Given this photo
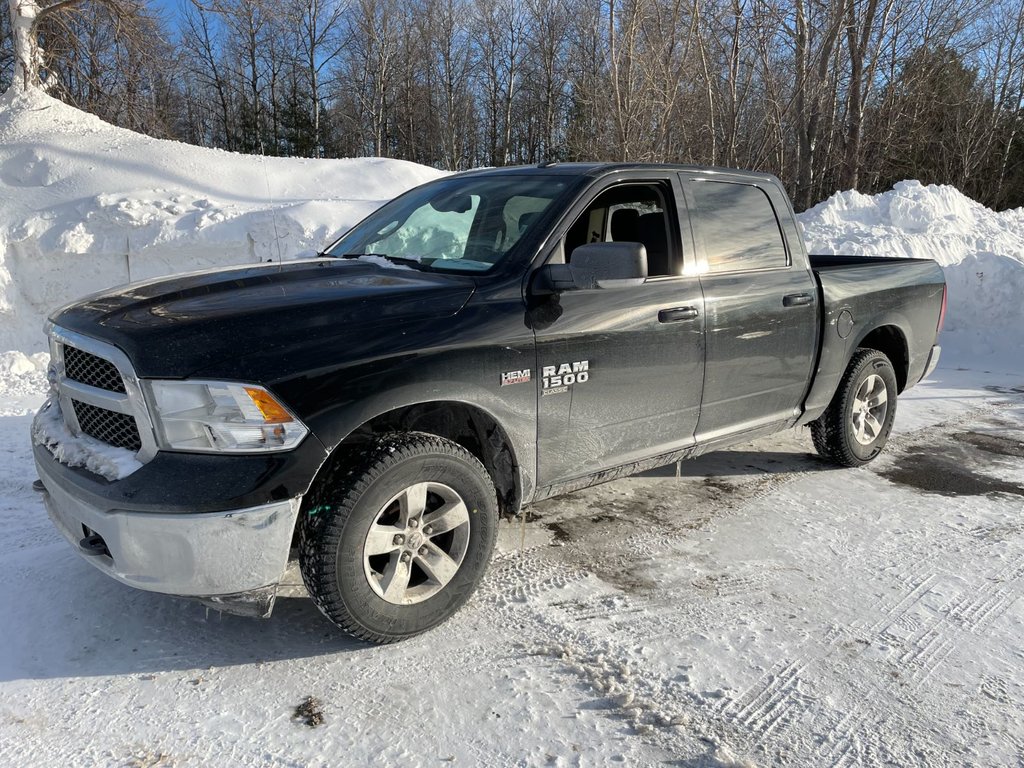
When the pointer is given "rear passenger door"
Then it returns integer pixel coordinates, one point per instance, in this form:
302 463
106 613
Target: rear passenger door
761 307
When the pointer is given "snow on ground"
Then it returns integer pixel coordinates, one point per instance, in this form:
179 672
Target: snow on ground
752 607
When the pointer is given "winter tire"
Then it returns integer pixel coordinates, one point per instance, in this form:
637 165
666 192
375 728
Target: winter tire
394 543
855 427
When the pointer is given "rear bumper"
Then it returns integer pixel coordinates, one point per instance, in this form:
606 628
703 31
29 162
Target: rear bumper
238 555
933 360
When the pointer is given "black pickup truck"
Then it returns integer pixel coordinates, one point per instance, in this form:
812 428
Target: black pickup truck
482 342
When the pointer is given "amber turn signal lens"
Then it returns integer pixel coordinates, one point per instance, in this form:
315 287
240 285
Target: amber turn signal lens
273 412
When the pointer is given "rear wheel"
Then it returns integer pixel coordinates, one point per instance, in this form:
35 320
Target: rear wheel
393 544
856 425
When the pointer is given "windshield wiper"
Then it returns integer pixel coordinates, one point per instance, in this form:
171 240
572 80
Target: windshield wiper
415 263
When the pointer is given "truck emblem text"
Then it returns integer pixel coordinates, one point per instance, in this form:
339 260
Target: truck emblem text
558 378
515 377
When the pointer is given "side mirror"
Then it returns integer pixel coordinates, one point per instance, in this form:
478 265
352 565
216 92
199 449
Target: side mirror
596 265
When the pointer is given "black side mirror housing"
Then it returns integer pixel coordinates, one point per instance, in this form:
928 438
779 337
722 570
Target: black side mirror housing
596 265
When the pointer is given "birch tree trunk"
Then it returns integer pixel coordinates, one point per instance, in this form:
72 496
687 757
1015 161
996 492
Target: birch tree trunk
28 56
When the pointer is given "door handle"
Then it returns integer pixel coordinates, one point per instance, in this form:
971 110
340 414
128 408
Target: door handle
797 300
677 314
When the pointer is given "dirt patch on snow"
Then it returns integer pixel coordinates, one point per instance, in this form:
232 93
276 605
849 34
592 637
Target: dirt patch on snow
924 469
310 712
997 444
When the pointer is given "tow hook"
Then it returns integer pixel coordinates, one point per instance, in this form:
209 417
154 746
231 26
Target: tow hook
94 545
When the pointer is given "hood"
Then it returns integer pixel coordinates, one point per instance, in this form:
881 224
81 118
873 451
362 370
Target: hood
174 327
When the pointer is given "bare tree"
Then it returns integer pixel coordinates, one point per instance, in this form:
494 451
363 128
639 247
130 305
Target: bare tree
1004 57
546 81
824 93
367 76
28 17
28 54
6 51
202 50
247 25
500 36
319 43
815 31
867 26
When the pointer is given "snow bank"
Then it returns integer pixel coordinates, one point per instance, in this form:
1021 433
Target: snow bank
22 382
87 205
981 252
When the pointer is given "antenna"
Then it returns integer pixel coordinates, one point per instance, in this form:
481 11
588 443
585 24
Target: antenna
273 205
128 256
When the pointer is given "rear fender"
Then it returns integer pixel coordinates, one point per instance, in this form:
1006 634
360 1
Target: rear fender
886 332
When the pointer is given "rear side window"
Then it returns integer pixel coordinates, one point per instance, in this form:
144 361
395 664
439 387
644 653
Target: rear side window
737 225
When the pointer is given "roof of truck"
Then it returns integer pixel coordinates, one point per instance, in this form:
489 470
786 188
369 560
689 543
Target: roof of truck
600 169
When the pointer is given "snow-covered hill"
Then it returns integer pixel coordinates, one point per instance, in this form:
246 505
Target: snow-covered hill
85 205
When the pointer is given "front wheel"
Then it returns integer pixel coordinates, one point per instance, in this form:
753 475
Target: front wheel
856 425
393 544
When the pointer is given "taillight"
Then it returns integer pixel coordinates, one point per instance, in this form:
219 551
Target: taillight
942 311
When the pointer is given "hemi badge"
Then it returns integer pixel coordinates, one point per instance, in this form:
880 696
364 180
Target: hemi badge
515 377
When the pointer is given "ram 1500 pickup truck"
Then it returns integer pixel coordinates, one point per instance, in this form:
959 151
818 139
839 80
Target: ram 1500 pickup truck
484 341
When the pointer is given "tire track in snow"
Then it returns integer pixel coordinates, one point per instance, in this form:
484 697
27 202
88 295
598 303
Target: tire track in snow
979 610
654 705
971 612
841 744
730 585
927 651
921 585
928 648
776 701
772 703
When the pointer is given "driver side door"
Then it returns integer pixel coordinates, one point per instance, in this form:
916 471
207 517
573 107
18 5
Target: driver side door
621 371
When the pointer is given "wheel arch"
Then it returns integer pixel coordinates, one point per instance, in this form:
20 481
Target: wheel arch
891 342
474 428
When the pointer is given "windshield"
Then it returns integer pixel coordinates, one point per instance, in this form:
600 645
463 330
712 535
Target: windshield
461 224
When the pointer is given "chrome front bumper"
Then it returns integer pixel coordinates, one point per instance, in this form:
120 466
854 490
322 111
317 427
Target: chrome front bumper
225 557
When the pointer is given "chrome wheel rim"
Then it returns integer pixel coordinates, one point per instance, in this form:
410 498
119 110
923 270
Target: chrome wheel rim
416 543
870 405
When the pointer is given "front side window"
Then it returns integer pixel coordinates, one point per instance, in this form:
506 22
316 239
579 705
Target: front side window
737 225
466 224
631 212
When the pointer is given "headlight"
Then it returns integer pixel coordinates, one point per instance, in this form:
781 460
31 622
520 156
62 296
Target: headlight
218 416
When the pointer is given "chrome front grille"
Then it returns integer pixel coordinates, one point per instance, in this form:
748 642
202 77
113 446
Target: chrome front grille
99 393
87 368
110 427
